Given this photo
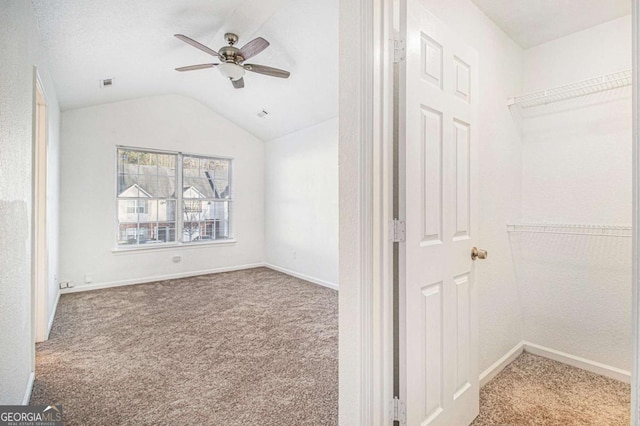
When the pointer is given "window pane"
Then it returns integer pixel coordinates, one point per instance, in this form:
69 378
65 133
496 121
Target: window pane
128 173
190 166
127 234
165 233
166 176
128 211
167 210
205 220
206 178
146 174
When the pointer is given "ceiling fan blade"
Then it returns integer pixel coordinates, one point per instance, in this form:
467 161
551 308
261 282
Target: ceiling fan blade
196 67
238 84
254 47
261 69
197 45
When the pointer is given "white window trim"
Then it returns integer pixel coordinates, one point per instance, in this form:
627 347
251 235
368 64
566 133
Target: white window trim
172 246
121 249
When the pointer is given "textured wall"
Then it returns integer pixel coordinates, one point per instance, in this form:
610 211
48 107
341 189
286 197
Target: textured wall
499 174
88 180
21 51
577 169
301 202
576 294
577 154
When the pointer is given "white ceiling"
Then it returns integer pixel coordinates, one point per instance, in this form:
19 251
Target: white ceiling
533 22
133 42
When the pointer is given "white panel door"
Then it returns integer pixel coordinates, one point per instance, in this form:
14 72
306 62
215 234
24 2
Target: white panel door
439 350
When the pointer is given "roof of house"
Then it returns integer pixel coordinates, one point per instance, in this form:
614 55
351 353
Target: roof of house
159 182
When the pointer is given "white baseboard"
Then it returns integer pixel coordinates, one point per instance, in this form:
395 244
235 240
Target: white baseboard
97 286
302 276
576 361
27 393
565 358
53 315
500 364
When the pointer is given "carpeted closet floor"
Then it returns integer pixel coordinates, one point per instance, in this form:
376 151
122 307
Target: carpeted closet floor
538 391
253 347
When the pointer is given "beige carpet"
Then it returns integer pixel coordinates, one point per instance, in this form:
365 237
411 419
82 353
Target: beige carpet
253 347
537 391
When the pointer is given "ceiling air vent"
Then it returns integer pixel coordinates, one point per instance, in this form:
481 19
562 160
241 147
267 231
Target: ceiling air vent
107 82
263 113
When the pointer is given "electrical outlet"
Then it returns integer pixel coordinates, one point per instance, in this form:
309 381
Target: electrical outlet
294 255
88 278
64 284
177 259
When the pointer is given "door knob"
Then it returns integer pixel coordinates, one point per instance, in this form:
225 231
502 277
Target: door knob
477 253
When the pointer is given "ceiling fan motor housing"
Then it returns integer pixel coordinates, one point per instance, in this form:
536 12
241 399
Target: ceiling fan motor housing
231 60
230 54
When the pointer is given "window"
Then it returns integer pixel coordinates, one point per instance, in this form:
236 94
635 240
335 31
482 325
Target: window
136 206
167 197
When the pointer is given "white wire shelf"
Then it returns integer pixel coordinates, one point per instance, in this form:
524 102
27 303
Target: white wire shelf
572 229
573 90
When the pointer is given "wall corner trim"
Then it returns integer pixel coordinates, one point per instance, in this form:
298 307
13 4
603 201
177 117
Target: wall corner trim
563 357
27 393
576 361
494 369
313 280
52 315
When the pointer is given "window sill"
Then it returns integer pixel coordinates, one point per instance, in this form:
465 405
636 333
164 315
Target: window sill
177 246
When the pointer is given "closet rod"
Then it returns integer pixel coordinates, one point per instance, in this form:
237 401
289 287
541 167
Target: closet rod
573 90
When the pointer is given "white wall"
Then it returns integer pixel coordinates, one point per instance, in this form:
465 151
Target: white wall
500 71
301 202
577 170
87 204
21 51
577 156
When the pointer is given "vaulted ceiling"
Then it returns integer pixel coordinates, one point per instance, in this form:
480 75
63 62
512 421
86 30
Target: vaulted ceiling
533 22
133 43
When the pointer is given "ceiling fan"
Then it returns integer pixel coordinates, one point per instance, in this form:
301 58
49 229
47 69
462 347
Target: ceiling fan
232 59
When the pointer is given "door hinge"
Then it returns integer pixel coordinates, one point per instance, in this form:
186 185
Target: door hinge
398 50
398 412
397 231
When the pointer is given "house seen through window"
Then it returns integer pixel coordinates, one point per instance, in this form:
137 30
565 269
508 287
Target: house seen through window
170 197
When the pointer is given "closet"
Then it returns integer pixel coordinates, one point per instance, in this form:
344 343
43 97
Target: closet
572 246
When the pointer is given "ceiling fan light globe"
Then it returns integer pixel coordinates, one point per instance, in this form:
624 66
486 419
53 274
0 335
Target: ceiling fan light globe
231 71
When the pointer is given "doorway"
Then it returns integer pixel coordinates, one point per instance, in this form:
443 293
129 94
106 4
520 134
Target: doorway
554 238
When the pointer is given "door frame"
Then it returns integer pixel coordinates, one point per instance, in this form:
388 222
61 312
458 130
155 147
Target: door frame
635 285
365 197
39 240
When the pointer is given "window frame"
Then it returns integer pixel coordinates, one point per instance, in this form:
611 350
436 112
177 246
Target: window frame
179 199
